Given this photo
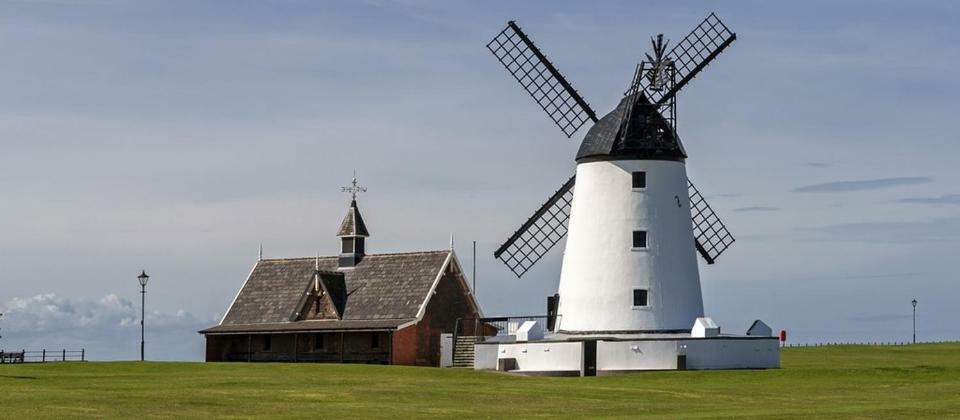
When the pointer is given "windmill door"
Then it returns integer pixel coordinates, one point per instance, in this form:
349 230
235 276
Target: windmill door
590 358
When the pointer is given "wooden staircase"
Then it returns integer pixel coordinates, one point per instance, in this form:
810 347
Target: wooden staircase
463 351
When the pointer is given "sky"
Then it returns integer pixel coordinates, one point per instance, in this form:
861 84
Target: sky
177 136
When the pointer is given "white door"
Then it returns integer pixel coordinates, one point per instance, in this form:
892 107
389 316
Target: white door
446 350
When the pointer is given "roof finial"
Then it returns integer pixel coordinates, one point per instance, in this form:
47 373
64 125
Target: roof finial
260 253
316 274
354 187
451 241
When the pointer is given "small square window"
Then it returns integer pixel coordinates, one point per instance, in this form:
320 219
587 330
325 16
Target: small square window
639 180
639 239
639 297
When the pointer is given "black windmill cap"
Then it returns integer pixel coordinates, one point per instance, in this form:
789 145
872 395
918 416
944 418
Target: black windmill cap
648 135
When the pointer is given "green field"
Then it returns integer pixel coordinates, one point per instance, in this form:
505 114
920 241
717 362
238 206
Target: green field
841 381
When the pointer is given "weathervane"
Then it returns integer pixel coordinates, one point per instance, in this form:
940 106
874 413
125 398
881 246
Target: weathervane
659 62
354 188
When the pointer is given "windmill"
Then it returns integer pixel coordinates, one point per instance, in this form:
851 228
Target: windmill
634 219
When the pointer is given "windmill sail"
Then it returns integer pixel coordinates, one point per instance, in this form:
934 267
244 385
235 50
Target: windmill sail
710 233
569 111
548 225
541 79
540 233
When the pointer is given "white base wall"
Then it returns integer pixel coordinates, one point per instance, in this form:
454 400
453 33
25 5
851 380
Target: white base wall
485 356
636 355
547 356
702 354
732 354
630 355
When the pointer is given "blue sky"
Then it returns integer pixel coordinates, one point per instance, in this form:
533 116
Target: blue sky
176 136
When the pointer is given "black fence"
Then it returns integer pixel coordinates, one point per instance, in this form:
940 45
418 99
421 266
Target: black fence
867 343
486 328
43 356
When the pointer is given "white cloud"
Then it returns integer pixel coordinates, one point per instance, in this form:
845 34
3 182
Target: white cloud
108 327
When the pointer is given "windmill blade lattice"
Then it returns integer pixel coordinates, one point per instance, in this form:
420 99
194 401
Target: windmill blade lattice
692 54
548 226
540 233
711 235
541 79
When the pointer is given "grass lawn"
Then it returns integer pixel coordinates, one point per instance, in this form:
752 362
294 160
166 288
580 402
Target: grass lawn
842 381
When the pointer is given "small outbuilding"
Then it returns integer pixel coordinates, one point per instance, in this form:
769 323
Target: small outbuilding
349 308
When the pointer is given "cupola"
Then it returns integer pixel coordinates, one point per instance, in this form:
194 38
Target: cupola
353 232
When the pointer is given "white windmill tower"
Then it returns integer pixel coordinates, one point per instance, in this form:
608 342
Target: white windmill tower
634 221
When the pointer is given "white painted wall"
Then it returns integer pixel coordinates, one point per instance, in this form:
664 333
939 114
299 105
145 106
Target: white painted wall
636 355
731 354
705 327
531 357
536 357
760 328
600 268
529 331
714 353
485 356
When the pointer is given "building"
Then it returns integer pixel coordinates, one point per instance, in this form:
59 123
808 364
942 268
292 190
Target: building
629 296
352 308
629 293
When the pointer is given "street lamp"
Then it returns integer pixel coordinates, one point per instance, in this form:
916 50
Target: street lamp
914 302
142 278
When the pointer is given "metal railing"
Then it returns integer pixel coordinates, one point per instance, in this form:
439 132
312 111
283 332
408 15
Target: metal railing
486 328
43 356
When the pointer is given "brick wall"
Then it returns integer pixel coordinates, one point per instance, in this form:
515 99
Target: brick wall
405 346
326 311
449 303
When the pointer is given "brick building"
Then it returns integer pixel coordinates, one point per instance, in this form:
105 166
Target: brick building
354 307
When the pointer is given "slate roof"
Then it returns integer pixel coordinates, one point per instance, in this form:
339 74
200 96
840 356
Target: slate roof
352 224
309 325
387 287
649 136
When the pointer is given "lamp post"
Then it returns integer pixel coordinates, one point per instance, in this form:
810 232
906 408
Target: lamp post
142 278
914 302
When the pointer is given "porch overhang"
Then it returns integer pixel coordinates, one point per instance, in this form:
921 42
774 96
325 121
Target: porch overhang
310 326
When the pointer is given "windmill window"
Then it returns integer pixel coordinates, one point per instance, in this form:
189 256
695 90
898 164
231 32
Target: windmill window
639 297
639 239
639 180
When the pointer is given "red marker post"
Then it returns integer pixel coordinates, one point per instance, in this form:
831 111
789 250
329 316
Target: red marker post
783 338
